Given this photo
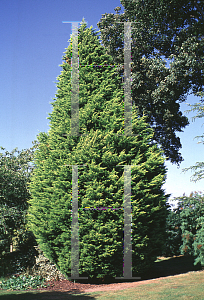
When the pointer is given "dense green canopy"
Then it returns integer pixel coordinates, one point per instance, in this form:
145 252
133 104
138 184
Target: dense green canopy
168 60
101 181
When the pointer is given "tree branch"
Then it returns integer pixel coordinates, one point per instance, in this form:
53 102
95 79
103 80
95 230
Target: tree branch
198 8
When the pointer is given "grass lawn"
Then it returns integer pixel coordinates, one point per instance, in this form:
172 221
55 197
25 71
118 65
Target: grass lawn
184 286
181 286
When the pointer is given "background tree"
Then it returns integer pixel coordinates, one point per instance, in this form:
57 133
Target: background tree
192 226
173 233
167 60
100 183
15 171
185 228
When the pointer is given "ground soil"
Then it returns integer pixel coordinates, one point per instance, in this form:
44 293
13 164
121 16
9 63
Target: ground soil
65 286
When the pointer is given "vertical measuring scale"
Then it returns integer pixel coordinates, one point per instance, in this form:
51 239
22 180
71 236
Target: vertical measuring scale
127 265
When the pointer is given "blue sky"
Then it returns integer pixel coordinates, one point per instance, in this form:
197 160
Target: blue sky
33 39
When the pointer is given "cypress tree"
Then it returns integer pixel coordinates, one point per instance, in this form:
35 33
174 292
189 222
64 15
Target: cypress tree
101 181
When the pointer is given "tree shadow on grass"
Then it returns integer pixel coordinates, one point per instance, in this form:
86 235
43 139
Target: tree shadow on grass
171 266
163 267
43 295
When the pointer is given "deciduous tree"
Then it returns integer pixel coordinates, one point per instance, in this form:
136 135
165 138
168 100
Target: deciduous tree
167 60
15 171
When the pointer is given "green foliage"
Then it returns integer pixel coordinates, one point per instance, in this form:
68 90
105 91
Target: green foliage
198 245
22 282
185 228
192 226
167 60
15 171
173 234
14 176
101 182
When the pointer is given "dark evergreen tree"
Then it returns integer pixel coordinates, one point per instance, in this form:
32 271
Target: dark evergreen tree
101 181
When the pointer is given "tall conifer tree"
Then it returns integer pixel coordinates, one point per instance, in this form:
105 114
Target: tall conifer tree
101 181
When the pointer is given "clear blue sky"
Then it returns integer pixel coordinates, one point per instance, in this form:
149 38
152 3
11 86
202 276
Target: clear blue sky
33 39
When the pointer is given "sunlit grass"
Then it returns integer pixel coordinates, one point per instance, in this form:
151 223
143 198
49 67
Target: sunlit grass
184 286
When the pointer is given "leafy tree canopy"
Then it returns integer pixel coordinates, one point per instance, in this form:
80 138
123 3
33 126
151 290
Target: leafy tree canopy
15 171
167 60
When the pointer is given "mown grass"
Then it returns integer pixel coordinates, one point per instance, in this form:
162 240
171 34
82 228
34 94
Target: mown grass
189 285
184 286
